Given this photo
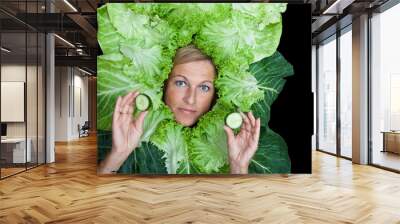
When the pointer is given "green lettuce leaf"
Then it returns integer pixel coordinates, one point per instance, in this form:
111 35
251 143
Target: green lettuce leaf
225 39
188 19
240 88
107 35
209 149
152 120
111 83
261 13
127 23
170 139
267 41
207 141
144 60
145 8
243 36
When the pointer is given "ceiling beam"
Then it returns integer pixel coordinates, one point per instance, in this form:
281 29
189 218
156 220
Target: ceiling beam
86 26
82 61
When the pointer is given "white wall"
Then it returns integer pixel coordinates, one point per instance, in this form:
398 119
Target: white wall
70 84
314 87
62 81
79 112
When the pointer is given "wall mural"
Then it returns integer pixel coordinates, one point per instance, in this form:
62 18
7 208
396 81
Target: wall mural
188 88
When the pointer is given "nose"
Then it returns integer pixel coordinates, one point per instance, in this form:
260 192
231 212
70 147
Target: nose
190 96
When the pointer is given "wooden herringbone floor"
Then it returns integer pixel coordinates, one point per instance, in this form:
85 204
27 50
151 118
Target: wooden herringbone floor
69 191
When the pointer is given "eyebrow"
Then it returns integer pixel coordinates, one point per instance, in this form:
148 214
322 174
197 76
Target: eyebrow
188 80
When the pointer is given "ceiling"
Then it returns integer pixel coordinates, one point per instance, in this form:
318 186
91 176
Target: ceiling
332 15
75 21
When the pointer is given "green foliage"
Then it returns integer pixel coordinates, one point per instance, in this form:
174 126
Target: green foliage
139 41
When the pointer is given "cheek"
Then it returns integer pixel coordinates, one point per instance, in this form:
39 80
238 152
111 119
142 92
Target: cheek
204 101
173 97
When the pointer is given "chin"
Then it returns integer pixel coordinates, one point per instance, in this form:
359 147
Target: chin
185 123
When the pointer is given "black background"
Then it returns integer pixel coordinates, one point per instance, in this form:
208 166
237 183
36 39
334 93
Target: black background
292 112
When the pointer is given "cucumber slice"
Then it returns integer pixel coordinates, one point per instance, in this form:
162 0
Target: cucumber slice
142 102
234 120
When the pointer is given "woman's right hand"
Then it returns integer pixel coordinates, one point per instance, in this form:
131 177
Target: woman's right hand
126 133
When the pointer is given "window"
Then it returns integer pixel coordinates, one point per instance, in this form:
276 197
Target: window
327 96
385 88
346 93
22 65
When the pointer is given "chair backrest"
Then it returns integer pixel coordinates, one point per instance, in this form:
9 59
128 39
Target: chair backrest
86 125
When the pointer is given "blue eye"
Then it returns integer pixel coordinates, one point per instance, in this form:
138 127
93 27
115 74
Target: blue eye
180 83
205 88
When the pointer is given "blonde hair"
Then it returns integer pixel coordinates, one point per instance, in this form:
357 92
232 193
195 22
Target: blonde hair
190 53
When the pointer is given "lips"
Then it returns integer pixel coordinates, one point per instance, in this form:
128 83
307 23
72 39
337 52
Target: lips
187 111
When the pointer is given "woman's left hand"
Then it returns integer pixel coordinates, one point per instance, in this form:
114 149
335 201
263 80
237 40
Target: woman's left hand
241 148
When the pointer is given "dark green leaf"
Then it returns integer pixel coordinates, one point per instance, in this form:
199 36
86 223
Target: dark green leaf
271 156
270 73
148 160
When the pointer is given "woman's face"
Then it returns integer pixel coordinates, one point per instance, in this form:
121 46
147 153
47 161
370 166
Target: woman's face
190 91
